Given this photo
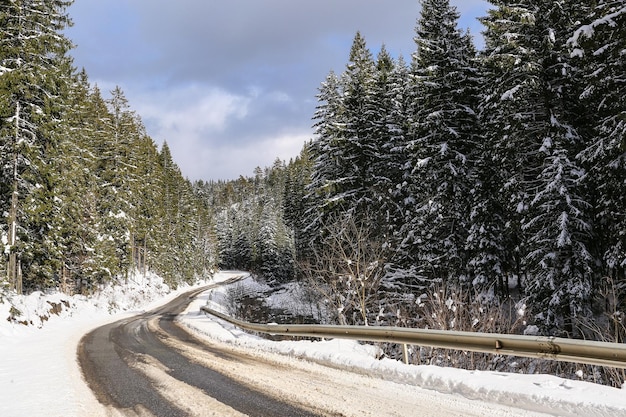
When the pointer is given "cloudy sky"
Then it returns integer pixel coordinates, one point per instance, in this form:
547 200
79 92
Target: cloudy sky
231 85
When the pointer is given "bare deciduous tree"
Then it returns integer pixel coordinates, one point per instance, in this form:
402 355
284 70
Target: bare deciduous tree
347 269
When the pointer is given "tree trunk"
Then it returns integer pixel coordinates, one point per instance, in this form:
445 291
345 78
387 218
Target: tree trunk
145 256
14 275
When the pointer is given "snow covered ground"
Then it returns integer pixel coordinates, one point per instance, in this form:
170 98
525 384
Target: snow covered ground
39 375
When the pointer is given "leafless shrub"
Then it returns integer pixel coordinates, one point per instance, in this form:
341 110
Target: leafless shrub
348 273
446 308
347 270
452 309
607 325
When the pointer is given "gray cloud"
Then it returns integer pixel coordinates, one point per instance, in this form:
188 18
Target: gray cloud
232 79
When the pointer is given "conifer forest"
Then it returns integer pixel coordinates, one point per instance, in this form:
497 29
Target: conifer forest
460 189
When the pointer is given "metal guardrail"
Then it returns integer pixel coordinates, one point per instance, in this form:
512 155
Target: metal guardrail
552 348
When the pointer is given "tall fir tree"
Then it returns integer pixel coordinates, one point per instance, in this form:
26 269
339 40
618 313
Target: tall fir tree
397 119
597 46
295 202
387 133
440 152
73 224
530 101
34 71
512 72
326 155
360 145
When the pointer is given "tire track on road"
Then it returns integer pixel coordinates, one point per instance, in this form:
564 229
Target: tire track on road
113 360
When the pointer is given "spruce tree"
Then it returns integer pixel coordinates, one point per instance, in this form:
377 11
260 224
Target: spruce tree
357 168
440 151
512 78
397 118
116 179
73 224
387 116
225 231
346 151
597 47
295 201
34 71
100 132
326 156
530 101
167 262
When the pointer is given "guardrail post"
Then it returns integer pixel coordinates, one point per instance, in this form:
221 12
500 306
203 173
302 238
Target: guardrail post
405 353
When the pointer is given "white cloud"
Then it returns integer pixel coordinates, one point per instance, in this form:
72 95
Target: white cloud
201 123
230 160
262 153
190 109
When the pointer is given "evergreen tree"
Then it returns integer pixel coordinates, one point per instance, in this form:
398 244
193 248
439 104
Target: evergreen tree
597 47
357 168
388 120
34 71
512 72
529 100
266 245
326 155
99 128
397 118
224 231
168 253
347 151
117 179
73 224
204 243
145 198
441 149
295 201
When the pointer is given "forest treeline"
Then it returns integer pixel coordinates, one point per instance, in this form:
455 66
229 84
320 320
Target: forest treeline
463 189
85 194
489 180
478 172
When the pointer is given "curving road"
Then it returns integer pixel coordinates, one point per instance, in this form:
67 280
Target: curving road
150 366
134 371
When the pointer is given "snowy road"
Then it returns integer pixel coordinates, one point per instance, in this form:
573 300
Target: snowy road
139 366
148 365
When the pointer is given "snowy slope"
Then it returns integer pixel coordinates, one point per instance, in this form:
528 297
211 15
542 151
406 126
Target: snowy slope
39 375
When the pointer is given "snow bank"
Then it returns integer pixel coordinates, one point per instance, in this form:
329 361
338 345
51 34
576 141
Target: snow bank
41 309
39 373
542 393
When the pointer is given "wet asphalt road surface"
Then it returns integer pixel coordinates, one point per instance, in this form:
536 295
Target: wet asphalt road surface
113 359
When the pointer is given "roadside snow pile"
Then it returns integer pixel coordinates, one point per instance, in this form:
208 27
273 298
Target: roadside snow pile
38 308
39 373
